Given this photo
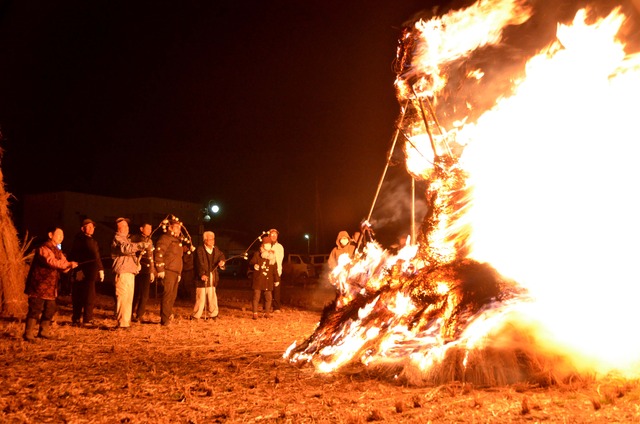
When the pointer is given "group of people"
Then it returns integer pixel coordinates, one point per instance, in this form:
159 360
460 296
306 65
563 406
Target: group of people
136 264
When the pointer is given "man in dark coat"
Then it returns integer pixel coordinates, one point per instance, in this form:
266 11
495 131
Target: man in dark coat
208 259
86 252
42 285
168 259
265 276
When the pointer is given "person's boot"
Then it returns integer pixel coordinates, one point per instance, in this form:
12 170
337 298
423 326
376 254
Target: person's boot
30 330
45 330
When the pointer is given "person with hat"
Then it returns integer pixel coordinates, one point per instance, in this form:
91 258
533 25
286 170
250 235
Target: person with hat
86 252
168 258
125 266
344 246
265 276
278 249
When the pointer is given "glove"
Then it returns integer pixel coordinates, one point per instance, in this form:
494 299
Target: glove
161 274
101 274
276 284
79 275
152 277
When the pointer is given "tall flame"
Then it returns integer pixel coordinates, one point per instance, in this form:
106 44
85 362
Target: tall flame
540 185
554 172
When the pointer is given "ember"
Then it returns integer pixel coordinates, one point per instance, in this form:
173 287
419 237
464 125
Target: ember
468 301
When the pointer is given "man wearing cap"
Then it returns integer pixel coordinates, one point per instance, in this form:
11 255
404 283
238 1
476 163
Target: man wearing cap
168 258
125 266
86 252
279 251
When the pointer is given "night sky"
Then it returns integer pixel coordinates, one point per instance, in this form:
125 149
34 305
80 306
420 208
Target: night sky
267 107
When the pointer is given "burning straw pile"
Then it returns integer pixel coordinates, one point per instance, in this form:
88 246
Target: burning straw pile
431 314
428 318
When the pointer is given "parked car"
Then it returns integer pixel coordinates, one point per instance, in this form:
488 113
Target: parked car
297 268
234 268
319 262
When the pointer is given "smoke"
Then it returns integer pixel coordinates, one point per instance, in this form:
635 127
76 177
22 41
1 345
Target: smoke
391 219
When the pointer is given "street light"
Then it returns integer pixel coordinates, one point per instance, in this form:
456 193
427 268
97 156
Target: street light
308 237
211 209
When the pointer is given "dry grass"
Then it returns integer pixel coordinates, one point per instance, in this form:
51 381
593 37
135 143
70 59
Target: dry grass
231 370
12 259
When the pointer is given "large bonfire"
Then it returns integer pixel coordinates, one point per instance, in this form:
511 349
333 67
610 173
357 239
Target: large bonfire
524 269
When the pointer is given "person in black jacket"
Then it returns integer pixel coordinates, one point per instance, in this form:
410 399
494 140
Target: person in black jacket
208 259
168 258
86 252
265 276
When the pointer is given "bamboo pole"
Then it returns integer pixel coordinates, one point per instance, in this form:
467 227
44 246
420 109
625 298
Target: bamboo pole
386 166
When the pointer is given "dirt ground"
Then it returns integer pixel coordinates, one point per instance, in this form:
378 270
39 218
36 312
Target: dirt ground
231 370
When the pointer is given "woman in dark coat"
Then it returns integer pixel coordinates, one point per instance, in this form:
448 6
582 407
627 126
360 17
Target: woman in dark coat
265 276
42 285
